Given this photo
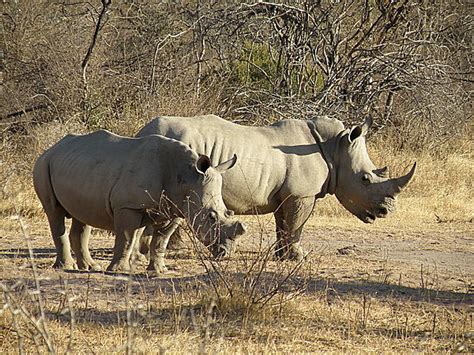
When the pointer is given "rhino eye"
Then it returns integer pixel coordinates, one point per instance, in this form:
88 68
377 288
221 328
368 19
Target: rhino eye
213 216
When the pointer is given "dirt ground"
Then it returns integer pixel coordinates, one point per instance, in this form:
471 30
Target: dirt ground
424 267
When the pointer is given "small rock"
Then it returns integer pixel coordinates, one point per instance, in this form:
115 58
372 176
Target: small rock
352 249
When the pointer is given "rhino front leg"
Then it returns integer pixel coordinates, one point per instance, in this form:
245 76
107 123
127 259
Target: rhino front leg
290 219
176 241
159 242
288 245
64 258
79 238
141 250
127 227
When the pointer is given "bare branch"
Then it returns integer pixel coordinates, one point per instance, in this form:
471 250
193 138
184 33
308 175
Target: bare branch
85 61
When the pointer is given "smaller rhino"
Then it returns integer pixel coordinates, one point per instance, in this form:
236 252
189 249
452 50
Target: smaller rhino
124 185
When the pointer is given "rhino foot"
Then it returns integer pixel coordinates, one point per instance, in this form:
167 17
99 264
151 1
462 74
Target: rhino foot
159 268
65 264
88 265
141 258
289 252
119 267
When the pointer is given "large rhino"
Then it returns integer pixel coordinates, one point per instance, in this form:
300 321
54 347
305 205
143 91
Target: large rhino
285 167
125 184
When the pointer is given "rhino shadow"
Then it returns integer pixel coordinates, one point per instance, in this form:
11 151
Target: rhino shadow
24 253
39 253
149 284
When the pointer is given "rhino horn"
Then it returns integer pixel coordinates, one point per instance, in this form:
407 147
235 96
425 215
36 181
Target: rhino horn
400 183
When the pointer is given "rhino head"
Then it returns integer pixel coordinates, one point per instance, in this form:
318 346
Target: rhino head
210 219
364 190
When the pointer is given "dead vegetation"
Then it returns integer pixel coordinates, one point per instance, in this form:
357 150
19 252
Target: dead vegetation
380 298
402 285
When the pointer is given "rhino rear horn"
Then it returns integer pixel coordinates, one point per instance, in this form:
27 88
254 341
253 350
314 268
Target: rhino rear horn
382 172
400 183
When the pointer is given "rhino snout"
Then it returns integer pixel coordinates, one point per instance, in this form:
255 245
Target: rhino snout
220 252
225 236
381 210
386 207
240 229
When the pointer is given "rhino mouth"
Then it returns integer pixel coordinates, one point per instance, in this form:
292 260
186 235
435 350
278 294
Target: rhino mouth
369 218
221 252
218 249
222 248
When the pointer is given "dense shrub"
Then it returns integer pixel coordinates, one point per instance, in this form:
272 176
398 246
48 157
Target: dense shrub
407 63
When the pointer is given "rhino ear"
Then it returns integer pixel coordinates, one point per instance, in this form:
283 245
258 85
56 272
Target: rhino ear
361 130
367 124
203 163
222 167
355 133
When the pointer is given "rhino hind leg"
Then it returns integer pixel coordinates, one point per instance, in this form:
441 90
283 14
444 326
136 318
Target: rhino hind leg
79 238
144 245
64 259
141 249
290 219
175 242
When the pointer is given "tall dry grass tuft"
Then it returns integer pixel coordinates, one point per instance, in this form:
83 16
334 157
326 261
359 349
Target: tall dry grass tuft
17 156
442 189
252 287
27 311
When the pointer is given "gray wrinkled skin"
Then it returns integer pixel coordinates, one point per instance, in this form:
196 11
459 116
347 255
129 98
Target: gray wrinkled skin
284 168
124 185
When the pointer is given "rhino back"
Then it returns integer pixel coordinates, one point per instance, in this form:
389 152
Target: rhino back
271 161
95 174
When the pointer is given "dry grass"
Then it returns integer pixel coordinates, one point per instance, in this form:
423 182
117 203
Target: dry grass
365 301
403 284
178 315
314 323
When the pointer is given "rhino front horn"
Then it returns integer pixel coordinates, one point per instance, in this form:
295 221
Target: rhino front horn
403 181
